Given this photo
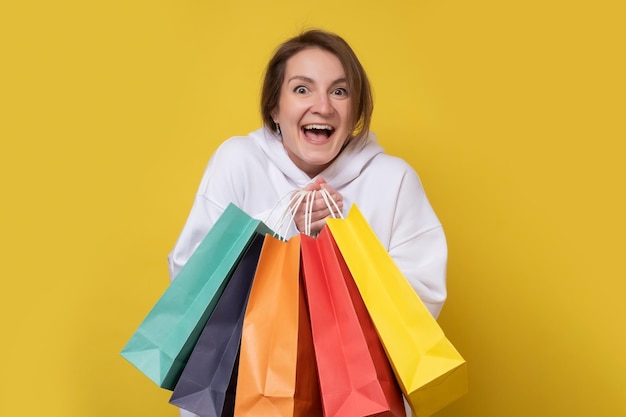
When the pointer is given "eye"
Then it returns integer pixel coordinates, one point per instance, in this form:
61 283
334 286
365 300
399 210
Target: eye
341 91
300 90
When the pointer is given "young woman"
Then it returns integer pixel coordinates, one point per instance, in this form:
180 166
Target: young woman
317 105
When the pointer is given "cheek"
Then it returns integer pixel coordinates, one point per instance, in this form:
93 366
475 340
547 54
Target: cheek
348 115
290 111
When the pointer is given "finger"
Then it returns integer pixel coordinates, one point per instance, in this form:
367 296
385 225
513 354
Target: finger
317 226
297 209
338 200
326 207
321 203
324 214
332 192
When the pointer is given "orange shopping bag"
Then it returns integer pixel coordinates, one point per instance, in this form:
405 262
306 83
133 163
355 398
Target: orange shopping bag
277 369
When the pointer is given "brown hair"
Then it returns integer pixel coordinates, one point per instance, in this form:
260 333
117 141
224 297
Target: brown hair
358 84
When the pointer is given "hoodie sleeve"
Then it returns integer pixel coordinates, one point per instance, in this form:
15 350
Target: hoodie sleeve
240 173
203 215
200 220
418 243
217 189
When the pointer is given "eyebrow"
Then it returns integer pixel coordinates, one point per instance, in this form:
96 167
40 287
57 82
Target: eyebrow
311 81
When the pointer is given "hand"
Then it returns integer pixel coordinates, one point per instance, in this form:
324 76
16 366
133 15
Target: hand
320 210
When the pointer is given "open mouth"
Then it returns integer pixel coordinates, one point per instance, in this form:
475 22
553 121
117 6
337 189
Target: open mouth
317 132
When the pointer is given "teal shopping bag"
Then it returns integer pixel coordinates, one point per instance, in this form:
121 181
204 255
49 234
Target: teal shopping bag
162 344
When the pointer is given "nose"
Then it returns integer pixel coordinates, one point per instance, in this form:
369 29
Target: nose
323 105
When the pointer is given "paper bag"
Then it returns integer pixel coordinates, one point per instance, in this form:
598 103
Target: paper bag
430 371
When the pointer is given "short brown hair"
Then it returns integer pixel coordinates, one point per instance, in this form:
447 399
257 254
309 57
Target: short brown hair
358 83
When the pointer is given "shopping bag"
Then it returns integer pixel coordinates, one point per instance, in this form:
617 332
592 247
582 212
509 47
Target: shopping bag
277 372
207 385
355 376
161 345
430 371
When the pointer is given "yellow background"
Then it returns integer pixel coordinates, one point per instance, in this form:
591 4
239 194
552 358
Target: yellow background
511 112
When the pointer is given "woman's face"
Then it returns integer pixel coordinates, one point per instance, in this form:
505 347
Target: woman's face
314 109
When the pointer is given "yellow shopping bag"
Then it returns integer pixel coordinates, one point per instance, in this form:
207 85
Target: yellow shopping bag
430 371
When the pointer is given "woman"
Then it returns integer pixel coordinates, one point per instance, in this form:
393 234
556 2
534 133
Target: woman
316 105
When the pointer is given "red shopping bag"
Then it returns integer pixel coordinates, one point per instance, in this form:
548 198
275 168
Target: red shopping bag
355 376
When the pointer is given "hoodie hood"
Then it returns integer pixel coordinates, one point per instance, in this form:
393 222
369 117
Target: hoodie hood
345 168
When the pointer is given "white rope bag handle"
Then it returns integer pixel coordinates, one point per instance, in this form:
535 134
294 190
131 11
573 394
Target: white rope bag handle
287 217
328 200
297 198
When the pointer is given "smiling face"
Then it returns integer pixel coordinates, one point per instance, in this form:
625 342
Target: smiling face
314 109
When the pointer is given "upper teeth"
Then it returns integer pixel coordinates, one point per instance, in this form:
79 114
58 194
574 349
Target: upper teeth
319 127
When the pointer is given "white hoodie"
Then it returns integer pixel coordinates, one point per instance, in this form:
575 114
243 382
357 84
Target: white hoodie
254 172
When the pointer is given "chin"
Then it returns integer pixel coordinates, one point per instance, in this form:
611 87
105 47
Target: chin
322 162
